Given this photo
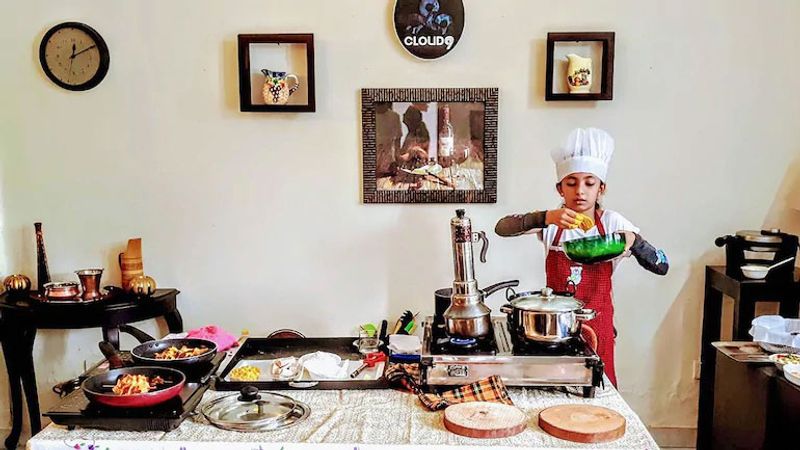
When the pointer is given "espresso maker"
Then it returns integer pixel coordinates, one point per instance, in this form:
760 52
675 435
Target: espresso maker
467 317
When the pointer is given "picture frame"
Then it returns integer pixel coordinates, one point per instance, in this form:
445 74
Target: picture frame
287 62
590 43
454 129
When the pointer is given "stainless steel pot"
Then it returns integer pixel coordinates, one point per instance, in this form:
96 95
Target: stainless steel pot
542 316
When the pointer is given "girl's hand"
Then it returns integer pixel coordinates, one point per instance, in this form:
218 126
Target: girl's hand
563 218
630 238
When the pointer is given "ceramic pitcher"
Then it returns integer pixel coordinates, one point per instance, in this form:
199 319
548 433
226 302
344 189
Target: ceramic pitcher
579 74
276 87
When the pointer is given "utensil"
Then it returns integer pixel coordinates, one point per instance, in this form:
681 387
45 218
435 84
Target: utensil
145 352
130 262
485 420
792 373
542 316
467 316
760 271
582 423
61 290
90 283
93 387
595 249
251 410
370 360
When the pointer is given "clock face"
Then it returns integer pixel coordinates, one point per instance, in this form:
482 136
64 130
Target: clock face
74 56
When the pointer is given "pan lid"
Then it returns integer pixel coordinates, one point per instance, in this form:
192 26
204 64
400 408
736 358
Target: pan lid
545 301
251 410
761 237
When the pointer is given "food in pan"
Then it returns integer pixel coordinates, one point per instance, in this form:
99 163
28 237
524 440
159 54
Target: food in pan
180 353
130 384
245 373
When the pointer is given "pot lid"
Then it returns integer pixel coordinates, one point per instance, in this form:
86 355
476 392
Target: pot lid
545 301
251 410
761 237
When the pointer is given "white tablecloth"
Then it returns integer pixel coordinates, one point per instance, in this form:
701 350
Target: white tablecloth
348 420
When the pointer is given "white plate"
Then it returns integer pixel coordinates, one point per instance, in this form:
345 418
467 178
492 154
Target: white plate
792 373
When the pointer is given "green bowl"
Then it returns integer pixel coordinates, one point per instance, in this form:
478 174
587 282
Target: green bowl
595 249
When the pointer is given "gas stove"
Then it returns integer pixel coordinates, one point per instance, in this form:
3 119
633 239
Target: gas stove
449 362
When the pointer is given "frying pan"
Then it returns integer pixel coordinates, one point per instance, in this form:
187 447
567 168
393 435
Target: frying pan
145 352
98 388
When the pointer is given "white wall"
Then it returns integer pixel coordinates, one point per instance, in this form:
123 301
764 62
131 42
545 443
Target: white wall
257 217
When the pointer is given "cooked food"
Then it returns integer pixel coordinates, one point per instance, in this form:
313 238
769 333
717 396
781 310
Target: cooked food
584 222
181 353
245 373
787 358
131 384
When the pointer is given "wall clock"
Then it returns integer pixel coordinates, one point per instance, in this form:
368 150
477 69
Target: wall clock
74 56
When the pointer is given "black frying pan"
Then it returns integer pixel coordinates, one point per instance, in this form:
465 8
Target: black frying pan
145 353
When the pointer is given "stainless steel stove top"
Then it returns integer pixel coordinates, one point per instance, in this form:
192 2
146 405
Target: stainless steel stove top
517 364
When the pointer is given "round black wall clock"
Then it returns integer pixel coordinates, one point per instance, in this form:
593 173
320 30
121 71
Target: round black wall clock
74 56
429 29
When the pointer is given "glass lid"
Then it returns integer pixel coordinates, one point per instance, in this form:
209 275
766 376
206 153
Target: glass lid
545 301
249 409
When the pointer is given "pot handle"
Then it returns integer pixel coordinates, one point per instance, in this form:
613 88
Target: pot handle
507 309
138 334
489 290
481 236
585 314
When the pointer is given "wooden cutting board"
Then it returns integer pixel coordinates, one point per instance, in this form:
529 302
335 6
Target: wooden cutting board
582 423
485 420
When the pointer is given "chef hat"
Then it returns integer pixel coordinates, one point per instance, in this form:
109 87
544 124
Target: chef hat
586 150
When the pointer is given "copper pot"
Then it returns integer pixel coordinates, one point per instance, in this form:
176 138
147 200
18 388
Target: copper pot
61 290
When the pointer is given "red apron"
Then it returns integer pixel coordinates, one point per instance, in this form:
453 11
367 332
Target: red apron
592 285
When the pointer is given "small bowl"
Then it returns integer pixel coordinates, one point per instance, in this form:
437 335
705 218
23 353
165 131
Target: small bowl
755 271
792 373
595 249
61 290
784 359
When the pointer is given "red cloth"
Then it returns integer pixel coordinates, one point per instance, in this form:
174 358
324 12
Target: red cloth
222 338
593 287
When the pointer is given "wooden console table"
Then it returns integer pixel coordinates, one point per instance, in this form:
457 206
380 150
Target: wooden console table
745 293
20 317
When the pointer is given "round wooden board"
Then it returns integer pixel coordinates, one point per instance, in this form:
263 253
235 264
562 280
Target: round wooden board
485 420
582 423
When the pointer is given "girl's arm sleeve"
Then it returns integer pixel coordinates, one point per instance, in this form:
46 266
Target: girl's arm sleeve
518 224
649 257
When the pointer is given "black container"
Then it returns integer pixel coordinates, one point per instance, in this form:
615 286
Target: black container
743 248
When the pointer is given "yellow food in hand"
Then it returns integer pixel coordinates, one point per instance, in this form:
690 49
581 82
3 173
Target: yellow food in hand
245 373
583 222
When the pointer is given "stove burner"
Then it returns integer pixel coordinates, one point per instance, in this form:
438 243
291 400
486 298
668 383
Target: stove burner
464 343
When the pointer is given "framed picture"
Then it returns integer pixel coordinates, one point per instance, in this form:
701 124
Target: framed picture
429 145
276 73
580 66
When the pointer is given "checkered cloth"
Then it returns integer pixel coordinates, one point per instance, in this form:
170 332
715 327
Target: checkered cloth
491 389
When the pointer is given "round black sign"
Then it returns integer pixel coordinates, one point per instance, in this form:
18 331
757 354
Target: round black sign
429 29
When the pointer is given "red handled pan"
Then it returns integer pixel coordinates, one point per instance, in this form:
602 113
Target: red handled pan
98 388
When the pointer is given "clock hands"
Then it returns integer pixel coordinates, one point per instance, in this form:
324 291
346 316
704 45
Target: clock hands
84 50
71 59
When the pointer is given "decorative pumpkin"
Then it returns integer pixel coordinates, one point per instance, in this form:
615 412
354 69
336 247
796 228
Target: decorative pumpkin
17 283
142 285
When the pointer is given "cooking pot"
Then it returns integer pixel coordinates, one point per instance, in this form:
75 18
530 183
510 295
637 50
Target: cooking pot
443 298
545 317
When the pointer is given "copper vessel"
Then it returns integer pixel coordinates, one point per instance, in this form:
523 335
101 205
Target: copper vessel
90 283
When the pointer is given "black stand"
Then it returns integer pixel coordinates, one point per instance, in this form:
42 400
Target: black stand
22 316
745 293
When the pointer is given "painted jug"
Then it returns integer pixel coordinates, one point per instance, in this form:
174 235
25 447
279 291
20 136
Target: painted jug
276 87
579 74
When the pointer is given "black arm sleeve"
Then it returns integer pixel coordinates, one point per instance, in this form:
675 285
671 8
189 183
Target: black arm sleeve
517 224
648 257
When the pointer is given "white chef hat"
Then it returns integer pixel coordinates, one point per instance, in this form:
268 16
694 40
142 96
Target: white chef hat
586 150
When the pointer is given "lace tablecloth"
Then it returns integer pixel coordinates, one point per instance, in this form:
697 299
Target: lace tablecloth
348 420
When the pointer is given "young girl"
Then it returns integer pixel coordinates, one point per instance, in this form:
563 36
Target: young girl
581 167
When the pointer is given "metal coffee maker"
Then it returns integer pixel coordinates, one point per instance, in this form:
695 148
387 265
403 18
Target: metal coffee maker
467 317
